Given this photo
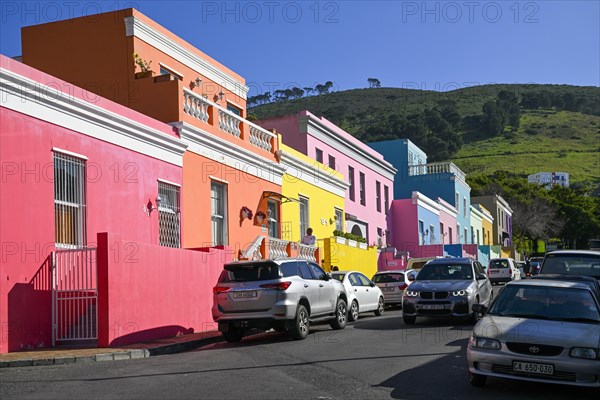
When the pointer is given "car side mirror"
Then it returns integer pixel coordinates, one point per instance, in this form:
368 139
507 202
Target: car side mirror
371 284
325 277
479 308
481 276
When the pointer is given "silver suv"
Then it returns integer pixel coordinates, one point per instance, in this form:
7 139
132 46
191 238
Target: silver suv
285 295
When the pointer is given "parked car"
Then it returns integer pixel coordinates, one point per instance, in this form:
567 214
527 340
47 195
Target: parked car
538 330
418 263
393 284
286 295
363 294
503 270
447 287
536 263
572 262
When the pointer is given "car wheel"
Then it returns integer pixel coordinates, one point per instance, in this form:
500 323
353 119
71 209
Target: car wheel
341 315
353 314
477 379
409 320
380 307
233 334
301 324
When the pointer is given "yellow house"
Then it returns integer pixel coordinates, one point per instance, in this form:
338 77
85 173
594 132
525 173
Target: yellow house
313 196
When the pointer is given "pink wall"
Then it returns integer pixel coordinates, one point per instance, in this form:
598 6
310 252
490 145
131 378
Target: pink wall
298 139
120 181
448 220
160 292
404 225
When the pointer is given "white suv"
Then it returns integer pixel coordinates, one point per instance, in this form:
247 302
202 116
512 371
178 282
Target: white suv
285 295
503 270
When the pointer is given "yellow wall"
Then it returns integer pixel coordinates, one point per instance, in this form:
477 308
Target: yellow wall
321 203
348 258
488 227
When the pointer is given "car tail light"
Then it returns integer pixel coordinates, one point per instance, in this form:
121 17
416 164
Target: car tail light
403 286
278 286
221 289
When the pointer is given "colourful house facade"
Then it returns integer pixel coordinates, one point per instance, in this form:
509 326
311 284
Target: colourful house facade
369 177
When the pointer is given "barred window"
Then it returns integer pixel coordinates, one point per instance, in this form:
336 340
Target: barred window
218 204
303 216
70 214
169 231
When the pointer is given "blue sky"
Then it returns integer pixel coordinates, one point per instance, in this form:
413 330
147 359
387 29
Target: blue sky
434 45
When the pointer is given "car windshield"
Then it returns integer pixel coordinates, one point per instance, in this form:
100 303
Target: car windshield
249 272
442 272
387 278
552 303
572 264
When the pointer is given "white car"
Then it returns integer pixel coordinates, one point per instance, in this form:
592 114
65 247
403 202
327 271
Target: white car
363 295
503 270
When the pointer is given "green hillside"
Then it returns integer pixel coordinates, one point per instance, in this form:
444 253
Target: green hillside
558 128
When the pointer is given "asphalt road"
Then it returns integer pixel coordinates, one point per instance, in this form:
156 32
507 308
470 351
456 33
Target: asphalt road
373 358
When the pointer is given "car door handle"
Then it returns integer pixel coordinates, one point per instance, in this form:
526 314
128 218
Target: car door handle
356 290
320 285
305 285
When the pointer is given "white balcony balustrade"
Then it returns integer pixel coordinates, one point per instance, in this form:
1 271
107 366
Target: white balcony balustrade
196 106
436 168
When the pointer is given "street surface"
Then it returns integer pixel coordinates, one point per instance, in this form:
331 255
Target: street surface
373 358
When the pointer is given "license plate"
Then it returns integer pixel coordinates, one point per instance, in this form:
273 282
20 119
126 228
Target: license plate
388 289
533 368
493 271
433 307
244 295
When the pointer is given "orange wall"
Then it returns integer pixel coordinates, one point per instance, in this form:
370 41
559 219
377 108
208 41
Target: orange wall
242 190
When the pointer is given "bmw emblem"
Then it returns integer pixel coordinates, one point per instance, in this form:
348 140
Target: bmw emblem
534 349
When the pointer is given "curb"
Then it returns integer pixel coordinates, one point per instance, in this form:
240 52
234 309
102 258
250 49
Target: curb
133 354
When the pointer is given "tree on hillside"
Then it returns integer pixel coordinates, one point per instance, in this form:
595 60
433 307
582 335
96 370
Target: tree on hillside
492 121
374 82
308 90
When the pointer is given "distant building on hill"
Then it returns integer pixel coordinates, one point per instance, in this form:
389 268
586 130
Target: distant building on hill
549 179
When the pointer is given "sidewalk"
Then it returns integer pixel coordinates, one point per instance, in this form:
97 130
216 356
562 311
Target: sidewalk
57 355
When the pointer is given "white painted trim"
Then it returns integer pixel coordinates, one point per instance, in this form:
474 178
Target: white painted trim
421 200
138 28
222 151
447 207
169 182
40 101
173 70
312 174
69 153
214 178
316 128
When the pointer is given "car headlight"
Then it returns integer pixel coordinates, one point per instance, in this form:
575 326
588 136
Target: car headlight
584 352
411 293
484 343
457 293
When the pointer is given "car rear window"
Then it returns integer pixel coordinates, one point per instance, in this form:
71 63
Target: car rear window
499 264
339 277
572 264
386 278
249 272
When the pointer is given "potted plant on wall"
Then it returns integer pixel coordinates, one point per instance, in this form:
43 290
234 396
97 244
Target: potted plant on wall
146 71
260 217
245 213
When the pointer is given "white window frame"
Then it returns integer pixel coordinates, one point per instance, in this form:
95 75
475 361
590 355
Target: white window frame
217 218
339 219
304 224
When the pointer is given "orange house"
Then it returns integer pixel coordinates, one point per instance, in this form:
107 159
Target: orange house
230 163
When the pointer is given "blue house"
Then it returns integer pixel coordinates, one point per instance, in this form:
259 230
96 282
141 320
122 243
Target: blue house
439 179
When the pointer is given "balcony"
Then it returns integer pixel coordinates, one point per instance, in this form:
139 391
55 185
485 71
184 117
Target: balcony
437 168
205 112
277 249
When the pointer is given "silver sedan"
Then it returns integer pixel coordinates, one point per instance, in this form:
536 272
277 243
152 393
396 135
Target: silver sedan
538 330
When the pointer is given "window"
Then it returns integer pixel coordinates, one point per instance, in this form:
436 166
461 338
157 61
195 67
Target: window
465 207
457 203
442 233
386 198
363 195
218 195
339 219
472 235
351 182
466 239
303 216
319 155
70 214
164 70
273 217
431 234
234 109
478 237
421 232
410 158
378 195
168 215
316 270
458 233
450 239
379 237
304 270
331 162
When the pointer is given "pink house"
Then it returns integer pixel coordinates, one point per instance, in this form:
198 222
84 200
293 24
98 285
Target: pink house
370 177
447 222
75 166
